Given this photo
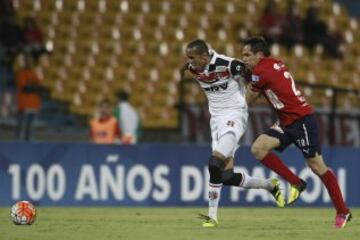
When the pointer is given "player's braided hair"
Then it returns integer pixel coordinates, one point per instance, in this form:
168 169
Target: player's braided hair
199 46
258 44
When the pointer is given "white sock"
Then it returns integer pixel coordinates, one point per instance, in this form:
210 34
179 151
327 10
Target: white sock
250 182
214 198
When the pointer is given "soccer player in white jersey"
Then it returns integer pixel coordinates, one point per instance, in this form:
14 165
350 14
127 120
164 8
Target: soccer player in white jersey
222 79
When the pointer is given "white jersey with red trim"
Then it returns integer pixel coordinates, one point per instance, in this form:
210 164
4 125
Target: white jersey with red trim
222 82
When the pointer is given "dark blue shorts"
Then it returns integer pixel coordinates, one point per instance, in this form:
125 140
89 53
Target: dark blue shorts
303 133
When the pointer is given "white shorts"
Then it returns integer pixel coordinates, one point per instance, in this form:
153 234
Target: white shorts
235 123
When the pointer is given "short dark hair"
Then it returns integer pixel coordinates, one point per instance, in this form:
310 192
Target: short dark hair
123 96
258 44
199 46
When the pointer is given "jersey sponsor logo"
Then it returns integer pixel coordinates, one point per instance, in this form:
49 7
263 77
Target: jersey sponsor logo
213 76
255 78
216 88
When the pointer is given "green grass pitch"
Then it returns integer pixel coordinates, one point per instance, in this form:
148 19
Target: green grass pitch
179 224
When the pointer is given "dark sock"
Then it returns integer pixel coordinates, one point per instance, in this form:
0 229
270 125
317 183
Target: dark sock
231 179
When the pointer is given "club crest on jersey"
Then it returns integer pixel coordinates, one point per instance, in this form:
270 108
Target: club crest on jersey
255 78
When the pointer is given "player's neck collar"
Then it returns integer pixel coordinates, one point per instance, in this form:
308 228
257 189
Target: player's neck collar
212 55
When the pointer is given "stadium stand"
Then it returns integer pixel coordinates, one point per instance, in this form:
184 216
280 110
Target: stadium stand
101 46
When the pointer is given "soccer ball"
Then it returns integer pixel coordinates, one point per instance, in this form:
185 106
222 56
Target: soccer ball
23 213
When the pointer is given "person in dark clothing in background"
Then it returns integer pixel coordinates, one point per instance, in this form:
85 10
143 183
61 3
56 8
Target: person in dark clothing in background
316 33
292 32
29 91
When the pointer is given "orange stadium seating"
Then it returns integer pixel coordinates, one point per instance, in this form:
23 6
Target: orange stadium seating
102 46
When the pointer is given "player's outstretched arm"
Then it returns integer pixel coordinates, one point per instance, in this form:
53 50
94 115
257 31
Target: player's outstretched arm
251 96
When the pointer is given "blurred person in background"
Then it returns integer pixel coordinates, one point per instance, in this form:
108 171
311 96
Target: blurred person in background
128 119
316 33
104 128
28 92
271 22
11 43
34 38
11 36
7 9
6 70
292 31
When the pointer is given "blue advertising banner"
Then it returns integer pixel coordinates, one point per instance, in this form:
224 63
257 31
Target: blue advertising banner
151 175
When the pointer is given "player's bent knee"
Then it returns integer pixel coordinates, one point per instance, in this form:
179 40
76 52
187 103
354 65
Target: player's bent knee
314 168
216 163
258 151
262 146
